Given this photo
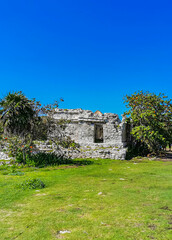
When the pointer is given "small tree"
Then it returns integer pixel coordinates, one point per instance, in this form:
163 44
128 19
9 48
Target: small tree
18 116
151 119
24 120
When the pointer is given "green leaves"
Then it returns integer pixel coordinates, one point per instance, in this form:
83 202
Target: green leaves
17 114
34 183
151 119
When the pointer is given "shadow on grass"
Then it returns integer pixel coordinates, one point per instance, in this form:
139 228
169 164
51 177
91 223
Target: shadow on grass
77 162
51 159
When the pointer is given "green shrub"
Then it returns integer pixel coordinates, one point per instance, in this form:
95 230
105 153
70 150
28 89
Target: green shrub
17 173
15 148
11 170
135 149
35 183
42 159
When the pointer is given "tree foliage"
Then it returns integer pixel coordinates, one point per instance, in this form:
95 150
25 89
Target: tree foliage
18 114
151 119
23 117
23 121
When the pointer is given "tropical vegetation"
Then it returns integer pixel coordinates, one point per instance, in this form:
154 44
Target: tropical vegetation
150 118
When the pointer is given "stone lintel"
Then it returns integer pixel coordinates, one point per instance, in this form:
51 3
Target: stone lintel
93 120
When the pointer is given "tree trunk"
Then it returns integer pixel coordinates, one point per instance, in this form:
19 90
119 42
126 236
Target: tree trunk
24 156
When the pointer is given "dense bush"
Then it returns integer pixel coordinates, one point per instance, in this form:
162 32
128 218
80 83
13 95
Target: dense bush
135 149
35 183
42 159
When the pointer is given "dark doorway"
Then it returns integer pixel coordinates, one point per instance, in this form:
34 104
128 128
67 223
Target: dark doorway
98 133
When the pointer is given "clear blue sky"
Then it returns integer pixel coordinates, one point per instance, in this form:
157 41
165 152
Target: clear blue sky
90 52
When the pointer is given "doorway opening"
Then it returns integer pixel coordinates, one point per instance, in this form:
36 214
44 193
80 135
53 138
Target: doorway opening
98 133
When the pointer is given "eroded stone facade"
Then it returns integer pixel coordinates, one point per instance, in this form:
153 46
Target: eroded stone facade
99 135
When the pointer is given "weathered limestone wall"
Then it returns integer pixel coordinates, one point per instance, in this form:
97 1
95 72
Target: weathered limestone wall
96 150
4 156
81 127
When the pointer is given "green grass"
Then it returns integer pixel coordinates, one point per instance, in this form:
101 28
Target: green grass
109 199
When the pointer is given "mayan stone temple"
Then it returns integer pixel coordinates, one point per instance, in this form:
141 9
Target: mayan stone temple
99 135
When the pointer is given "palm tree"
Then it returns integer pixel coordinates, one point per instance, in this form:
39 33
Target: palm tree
17 114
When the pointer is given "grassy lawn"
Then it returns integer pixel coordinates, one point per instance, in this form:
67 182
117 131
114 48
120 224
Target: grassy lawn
107 199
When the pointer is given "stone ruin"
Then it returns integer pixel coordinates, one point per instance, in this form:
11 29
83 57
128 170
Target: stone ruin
99 135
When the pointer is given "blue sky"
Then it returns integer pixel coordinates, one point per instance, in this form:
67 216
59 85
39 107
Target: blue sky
90 52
